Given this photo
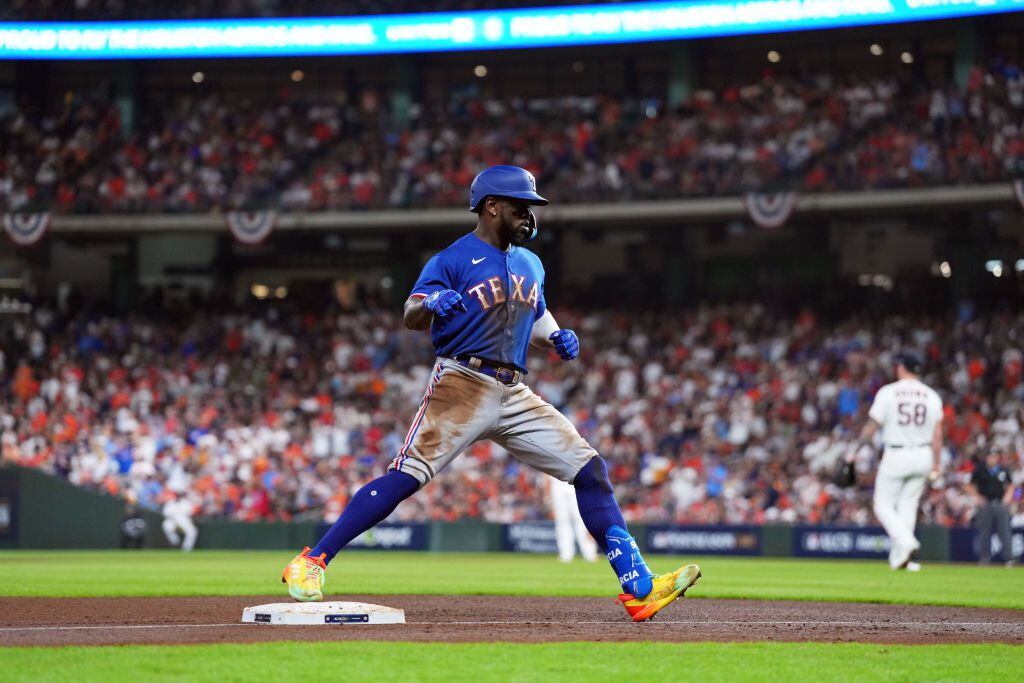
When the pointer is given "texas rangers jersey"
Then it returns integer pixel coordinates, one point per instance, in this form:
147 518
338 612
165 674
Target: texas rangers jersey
908 411
504 295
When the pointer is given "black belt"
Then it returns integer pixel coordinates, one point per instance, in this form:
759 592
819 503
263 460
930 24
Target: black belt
913 445
502 373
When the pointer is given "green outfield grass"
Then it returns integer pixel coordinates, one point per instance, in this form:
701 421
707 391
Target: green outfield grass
147 573
648 662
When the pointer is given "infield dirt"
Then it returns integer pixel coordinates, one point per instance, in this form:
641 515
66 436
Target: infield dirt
432 618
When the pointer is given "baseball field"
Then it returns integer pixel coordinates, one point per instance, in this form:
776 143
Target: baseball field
496 616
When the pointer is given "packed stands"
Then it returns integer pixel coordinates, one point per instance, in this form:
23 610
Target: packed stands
721 414
329 152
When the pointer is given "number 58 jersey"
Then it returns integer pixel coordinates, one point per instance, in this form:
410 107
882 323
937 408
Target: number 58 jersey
908 411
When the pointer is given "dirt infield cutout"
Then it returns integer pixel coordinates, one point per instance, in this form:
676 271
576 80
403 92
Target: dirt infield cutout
433 618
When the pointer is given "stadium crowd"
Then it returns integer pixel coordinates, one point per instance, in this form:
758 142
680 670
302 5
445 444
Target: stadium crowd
721 414
334 152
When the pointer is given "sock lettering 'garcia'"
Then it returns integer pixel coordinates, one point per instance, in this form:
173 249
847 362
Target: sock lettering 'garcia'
627 562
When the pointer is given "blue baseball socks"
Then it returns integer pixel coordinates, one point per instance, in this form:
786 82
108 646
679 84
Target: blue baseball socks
603 519
370 506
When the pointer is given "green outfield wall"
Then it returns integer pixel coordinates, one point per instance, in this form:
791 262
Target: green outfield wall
42 511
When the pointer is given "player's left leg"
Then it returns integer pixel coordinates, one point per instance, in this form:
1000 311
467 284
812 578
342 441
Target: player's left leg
906 511
887 493
535 433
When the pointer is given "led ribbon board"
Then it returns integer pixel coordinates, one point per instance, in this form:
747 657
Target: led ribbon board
480 30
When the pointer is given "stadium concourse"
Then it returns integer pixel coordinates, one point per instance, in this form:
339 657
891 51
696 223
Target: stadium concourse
328 150
724 414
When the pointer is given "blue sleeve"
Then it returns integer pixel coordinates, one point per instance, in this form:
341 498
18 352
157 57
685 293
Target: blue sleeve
542 304
434 277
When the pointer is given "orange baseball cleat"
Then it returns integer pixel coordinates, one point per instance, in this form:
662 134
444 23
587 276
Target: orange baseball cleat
305 576
667 588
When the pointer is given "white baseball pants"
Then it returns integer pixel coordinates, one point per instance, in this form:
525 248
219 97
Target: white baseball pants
898 487
463 406
171 527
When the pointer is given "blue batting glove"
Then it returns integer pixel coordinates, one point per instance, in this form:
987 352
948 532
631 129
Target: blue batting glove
567 344
444 303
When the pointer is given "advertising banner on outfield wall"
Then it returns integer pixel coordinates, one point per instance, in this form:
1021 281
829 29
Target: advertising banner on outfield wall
868 542
703 540
530 537
389 537
963 545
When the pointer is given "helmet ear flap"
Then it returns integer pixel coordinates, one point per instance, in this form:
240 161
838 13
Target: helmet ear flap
534 227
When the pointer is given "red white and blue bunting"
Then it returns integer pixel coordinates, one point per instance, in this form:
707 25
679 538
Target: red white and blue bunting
1018 192
25 229
770 210
251 227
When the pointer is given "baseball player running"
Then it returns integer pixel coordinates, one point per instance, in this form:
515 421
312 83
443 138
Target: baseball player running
909 413
482 299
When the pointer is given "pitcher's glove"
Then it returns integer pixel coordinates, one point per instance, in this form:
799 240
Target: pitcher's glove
845 476
567 344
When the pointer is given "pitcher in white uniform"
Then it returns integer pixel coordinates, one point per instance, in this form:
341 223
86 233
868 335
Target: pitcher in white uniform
909 413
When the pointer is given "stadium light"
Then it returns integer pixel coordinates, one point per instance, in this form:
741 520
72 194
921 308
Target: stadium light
198 77
995 266
774 57
627 22
876 49
945 270
907 58
1019 265
480 71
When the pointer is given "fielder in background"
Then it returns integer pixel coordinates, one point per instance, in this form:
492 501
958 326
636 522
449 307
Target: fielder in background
482 299
177 513
909 414
570 530
992 489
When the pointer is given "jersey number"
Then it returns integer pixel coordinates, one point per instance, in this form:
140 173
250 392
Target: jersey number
915 413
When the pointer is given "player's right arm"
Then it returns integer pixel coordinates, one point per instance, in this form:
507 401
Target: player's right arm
420 311
416 316
876 418
432 295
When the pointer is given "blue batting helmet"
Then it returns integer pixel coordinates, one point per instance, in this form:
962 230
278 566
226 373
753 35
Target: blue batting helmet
504 181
